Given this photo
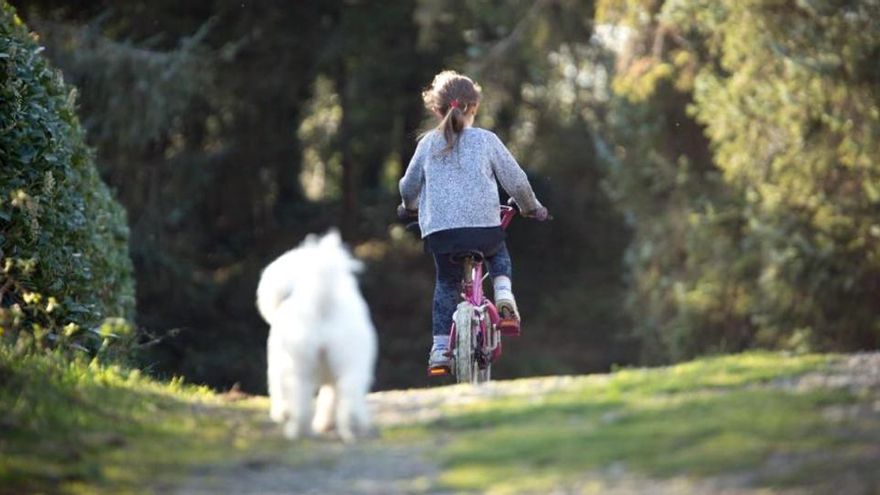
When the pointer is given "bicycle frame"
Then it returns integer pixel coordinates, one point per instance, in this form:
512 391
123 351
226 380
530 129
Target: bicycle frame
473 279
472 292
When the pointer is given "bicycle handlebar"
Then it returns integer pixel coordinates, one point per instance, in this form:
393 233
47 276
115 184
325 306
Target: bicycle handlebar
404 213
511 203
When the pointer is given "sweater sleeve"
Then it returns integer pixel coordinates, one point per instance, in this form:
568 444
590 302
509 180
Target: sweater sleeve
412 181
512 178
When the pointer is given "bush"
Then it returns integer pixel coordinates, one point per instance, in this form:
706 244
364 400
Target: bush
66 277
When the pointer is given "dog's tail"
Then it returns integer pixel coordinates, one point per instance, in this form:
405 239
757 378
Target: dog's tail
277 280
319 266
271 292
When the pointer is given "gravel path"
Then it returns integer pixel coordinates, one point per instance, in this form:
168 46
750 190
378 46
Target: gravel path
377 467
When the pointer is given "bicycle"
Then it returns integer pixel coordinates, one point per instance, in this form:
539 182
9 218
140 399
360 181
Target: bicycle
477 325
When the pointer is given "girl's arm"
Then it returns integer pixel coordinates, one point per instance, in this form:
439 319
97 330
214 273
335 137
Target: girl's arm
411 182
512 177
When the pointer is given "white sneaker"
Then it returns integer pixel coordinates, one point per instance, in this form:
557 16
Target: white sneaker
506 305
439 358
510 322
504 300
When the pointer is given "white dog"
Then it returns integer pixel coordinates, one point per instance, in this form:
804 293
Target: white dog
321 337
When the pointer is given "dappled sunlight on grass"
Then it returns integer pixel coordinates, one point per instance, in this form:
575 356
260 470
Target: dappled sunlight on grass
83 428
703 418
88 428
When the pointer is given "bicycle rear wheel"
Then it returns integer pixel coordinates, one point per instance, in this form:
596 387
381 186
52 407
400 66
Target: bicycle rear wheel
464 362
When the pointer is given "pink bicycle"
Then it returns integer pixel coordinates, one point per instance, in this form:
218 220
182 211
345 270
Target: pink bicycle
477 325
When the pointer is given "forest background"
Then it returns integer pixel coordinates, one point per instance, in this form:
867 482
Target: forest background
711 165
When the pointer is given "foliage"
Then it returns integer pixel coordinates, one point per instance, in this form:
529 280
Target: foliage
746 136
63 239
794 119
116 79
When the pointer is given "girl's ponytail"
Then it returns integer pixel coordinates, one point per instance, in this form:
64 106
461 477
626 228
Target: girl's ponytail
452 124
451 95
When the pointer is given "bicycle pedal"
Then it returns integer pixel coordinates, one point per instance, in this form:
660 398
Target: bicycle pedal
439 371
509 327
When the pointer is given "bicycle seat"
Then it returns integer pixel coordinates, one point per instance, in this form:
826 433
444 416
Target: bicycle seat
471 253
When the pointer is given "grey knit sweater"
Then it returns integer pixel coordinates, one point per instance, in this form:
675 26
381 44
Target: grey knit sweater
457 188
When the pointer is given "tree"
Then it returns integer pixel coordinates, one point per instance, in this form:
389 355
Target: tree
752 124
793 117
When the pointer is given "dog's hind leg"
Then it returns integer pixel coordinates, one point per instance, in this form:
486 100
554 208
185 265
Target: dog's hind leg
360 416
300 394
280 369
352 415
325 409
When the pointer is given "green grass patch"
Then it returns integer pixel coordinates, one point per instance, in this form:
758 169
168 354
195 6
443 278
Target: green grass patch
708 417
87 428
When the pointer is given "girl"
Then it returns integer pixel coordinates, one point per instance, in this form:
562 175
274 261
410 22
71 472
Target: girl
451 181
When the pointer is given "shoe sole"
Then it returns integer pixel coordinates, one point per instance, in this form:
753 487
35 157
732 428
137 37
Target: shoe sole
439 370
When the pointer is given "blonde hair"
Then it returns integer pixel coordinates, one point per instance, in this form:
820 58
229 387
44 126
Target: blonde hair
452 95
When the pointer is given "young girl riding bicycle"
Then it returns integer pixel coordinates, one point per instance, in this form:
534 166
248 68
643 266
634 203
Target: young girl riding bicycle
451 181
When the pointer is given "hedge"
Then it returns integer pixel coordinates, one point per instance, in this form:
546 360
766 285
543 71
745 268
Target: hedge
66 278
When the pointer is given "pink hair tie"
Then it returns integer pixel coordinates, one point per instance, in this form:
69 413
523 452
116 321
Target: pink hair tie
453 104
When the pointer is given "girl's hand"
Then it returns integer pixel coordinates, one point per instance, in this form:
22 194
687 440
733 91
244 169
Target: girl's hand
404 214
540 214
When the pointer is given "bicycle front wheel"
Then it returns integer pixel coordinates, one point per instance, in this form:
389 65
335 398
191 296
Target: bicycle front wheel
464 362
483 374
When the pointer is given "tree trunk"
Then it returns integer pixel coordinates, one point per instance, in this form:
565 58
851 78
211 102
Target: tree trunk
348 218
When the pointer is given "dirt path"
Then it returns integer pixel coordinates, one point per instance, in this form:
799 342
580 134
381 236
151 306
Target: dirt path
379 467
371 466
366 468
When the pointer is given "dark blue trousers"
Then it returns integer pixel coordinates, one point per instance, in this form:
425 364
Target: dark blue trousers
448 284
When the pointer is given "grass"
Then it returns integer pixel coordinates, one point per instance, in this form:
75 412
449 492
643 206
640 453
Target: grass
709 417
86 428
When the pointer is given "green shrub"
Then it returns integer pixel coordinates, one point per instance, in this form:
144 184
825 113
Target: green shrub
65 277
